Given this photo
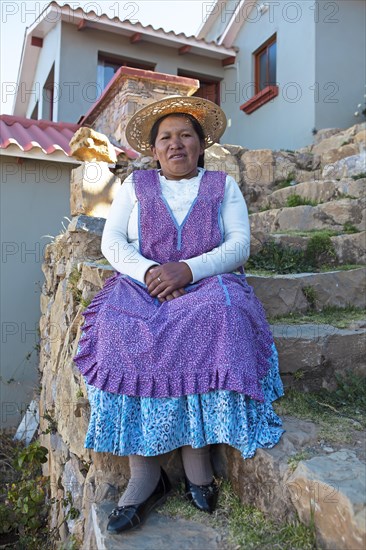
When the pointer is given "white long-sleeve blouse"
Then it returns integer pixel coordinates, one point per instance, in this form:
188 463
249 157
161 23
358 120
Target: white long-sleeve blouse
120 239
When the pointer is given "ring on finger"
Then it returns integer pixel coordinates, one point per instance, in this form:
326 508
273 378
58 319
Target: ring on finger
159 280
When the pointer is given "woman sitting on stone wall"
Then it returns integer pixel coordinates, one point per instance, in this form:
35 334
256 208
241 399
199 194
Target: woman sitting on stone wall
175 349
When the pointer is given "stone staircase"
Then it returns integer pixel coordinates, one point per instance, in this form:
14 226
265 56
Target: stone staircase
317 472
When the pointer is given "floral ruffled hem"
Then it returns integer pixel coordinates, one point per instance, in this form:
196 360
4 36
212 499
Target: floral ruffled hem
148 426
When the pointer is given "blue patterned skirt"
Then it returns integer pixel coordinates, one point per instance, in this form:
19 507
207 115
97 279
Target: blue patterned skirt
150 426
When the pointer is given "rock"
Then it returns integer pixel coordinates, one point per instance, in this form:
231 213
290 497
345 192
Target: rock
159 531
217 157
350 249
319 191
258 167
89 145
333 155
325 134
350 166
305 160
73 484
330 491
314 352
283 294
262 480
331 215
93 188
335 141
360 139
284 166
89 224
236 150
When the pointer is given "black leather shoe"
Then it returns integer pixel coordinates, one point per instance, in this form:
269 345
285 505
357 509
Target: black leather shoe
203 497
124 518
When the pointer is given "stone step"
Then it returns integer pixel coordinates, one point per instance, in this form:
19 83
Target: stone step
319 190
328 489
284 294
158 532
330 215
311 356
349 248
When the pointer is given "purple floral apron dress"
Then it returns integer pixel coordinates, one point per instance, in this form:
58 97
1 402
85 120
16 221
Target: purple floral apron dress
196 370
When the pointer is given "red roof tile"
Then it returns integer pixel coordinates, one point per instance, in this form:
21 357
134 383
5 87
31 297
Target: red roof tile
28 134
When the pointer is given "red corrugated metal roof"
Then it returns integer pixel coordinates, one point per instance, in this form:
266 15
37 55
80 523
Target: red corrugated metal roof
48 136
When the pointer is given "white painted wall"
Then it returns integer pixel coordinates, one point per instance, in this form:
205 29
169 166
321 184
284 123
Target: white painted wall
35 196
340 62
79 60
287 121
49 55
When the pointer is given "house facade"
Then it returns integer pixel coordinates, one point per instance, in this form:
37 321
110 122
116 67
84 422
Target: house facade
300 67
281 70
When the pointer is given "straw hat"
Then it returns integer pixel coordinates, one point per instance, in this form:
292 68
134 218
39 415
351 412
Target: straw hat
209 115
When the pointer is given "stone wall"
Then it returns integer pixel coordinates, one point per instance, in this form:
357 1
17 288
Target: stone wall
74 271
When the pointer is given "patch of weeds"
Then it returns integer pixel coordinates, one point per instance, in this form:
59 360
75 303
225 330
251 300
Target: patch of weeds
359 176
277 258
344 196
103 261
24 502
320 250
85 303
297 200
242 526
311 232
79 393
310 295
67 502
52 424
331 315
294 460
74 278
265 207
338 413
288 182
299 374
349 228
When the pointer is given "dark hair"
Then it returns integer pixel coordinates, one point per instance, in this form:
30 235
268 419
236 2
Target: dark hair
196 127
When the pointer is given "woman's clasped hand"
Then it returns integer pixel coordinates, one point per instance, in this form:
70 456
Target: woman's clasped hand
167 281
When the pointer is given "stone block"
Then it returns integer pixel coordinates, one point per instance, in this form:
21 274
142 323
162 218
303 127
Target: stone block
258 167
347 167
262 480
93 188
217 157
283 294
331 492
159 531
90 146
333 155
315 352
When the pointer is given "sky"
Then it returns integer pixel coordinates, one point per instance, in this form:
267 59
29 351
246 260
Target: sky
16 15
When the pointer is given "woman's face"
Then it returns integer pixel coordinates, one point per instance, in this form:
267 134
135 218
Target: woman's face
177 148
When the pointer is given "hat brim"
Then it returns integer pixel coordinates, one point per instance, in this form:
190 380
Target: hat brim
211 117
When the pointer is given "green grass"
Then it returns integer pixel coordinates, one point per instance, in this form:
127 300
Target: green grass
242 527
310 233
331 315
359 176
349 228
297 200
338 414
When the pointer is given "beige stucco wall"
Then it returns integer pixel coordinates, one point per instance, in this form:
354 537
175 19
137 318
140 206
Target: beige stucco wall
79 61
35 196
